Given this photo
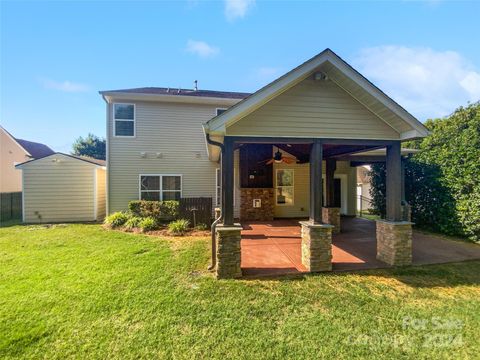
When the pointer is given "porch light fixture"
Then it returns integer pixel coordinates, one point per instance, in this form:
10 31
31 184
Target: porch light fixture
320 76
143 154
277 157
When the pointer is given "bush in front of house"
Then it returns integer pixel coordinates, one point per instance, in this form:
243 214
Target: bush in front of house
116 219
148 224
201 227
161 211
132 222
179 227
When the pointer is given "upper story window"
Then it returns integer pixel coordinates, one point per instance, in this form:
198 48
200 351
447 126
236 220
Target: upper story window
220 111
124 120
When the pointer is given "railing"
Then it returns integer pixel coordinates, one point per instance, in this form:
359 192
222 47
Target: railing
10 207
364 204
196 210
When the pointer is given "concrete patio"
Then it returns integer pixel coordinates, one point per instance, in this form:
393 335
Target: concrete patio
273 248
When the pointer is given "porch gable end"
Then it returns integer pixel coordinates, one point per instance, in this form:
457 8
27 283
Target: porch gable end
314 108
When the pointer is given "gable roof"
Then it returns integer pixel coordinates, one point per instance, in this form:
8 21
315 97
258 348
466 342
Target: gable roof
345 77
33 149
87 159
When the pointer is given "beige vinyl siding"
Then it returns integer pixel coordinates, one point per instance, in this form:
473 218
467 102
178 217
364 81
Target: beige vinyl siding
175 131
101 193
58 191
314 108
10 153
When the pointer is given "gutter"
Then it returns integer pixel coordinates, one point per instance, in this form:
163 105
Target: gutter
218 212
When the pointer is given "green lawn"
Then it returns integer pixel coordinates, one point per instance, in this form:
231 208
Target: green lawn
81 291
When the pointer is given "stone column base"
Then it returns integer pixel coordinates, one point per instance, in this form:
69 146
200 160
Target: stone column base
394 242
316 246
229 253
331 215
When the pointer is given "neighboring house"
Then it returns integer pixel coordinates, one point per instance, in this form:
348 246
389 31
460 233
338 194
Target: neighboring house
363 187
61 187
164 143
15 151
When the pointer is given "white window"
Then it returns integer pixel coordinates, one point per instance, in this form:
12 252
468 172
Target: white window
160 187
284 187
124 120
219 111
218 187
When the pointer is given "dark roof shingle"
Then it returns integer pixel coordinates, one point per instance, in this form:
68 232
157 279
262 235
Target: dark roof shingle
181 92
35 149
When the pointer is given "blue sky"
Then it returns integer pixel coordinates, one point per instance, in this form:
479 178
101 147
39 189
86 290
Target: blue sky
56 56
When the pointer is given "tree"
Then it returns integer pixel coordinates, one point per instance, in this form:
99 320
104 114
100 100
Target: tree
91 146
442 182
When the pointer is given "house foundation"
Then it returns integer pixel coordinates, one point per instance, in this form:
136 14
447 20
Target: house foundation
331 215
394 242
316 246
229 253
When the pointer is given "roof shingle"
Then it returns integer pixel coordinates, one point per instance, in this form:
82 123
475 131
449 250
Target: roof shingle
36 150
181 92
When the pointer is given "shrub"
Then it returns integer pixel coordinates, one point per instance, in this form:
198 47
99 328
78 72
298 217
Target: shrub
161 211
133 222
441 181
202 227
116 219
178 227
148 224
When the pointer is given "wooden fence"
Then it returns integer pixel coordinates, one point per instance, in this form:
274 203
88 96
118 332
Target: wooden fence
196 210
10 207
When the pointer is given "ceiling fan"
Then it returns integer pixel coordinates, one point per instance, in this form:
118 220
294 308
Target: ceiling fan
279 158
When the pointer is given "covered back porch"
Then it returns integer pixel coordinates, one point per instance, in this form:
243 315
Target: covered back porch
326 112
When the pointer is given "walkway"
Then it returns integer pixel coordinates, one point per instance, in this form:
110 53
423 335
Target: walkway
273 248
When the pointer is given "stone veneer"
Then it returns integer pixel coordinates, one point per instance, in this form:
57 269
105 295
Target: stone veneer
394 242
331 215
229 253
263 213
316 246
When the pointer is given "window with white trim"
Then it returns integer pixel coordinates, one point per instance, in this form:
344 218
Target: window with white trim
284 187
160 187
124 120
218 187
219 111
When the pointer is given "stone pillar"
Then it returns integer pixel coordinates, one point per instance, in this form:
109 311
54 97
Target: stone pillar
229 253
331 215
316 246
394 242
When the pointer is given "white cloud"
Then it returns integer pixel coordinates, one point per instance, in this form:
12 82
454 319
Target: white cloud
201 49
237 8
426 82
65 86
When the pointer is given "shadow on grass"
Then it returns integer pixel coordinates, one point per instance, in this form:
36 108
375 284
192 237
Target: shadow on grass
466 273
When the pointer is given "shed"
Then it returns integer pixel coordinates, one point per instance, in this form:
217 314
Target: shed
63 188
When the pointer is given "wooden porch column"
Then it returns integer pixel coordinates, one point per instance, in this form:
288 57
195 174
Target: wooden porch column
227 181
331 166
316 182
394 183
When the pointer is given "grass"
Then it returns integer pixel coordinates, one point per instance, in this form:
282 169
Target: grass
79 291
